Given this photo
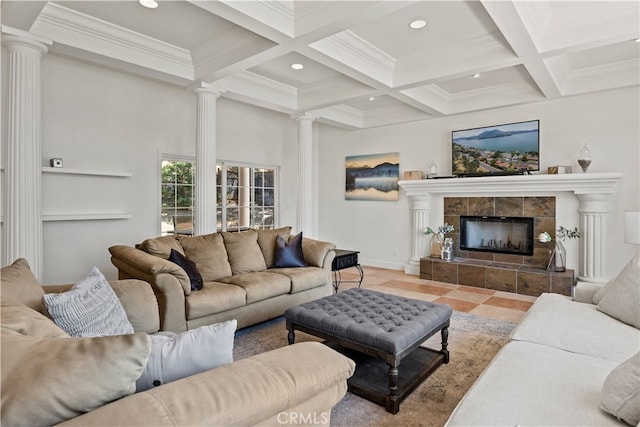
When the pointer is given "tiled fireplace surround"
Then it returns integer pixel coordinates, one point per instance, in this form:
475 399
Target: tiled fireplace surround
511 273
592 190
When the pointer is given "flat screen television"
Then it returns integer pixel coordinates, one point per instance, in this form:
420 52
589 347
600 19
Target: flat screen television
507 149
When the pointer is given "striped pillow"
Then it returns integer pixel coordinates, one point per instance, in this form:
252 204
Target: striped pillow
90 308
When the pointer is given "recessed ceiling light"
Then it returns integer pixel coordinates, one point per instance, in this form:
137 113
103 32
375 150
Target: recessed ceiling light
476 75
151 4
372 98
417 24
637 40
297 66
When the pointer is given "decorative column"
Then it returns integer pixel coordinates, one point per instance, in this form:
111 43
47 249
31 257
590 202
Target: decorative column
421 211
23 168
305 175
205 185
594 210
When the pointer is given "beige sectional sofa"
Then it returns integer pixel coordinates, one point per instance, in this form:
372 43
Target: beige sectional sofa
570 362
49 378
237 268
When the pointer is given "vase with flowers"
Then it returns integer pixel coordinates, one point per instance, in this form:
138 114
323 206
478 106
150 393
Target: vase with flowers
437 238
558 259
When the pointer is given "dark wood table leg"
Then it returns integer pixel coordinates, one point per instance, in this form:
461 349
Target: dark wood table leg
393 406
291 336
445 337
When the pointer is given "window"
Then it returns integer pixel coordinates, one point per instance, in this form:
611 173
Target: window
177 190
249 196
246 196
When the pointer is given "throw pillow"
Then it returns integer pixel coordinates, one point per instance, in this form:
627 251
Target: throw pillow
25 321
621 393
175 356
289 254
244 252
621 296
46 381
208 253
89 308
267 242
20 285
189 267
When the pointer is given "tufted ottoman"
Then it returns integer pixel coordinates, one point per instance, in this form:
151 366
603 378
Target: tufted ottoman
382 333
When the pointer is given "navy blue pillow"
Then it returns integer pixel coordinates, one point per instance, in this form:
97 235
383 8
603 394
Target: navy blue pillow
289 255
189 267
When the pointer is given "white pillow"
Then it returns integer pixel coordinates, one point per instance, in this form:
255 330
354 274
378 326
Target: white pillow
621 296
174 356
90 308
621 391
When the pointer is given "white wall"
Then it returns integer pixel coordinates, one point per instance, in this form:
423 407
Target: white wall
608 121
96 118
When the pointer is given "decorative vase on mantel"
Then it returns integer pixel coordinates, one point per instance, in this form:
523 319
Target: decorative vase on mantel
435 246
558 259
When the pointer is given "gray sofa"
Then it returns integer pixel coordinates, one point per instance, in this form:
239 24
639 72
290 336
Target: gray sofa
49 378
240 278
570 362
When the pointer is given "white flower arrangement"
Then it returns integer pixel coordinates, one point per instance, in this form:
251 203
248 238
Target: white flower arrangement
442 230
561 234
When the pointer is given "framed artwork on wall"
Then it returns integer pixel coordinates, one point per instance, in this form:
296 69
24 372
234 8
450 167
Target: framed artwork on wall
372 177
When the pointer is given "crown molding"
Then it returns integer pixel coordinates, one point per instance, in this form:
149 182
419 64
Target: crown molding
248 85
354 51
84 32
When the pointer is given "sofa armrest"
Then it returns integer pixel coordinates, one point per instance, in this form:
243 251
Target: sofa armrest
246 392
318 253
137 298
170 283
584 291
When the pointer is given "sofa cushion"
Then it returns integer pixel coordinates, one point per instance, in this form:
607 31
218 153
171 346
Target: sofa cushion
18 283
215 297
556 321
303 278
621 391
536 385
209 255
195 278
260 285
174 356
48 380
289 254
244 252
161 246
26 321
267 242
90 308
620 298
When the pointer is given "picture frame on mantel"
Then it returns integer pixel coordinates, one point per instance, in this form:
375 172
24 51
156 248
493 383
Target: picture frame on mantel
372 177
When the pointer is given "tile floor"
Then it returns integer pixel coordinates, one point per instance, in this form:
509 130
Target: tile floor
467 299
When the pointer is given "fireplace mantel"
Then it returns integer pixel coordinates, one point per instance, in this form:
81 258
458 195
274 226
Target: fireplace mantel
592 190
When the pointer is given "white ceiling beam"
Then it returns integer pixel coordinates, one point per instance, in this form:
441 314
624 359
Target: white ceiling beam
514 30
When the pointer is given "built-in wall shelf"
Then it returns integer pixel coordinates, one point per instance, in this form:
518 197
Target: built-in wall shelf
94 172
84 216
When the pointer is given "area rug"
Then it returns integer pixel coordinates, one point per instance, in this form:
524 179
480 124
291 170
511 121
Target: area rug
473 342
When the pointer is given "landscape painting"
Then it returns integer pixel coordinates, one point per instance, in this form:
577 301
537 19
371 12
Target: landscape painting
372 177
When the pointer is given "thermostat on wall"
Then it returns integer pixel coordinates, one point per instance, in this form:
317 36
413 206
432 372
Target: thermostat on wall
55 163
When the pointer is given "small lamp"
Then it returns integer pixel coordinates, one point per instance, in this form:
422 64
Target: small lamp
632 227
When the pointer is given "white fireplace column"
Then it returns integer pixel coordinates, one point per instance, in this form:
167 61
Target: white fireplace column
205 185
22 155
305 175
421 210
594 210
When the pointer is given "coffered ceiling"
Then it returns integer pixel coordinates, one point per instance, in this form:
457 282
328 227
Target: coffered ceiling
363 65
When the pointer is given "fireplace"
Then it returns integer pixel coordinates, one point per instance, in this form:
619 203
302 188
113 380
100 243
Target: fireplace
497 234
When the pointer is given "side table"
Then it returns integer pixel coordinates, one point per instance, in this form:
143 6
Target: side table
345 259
